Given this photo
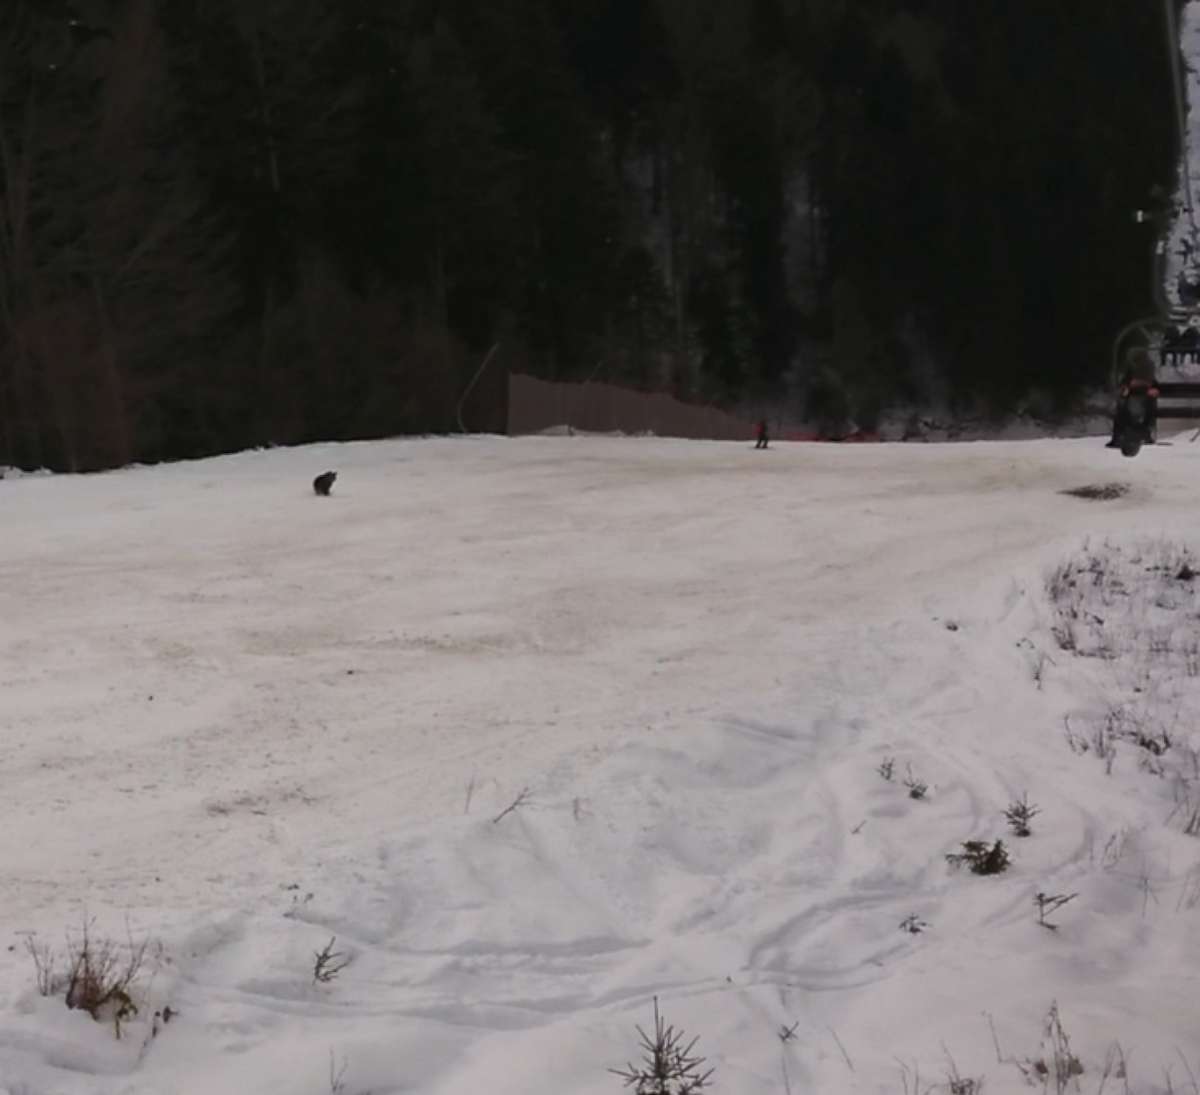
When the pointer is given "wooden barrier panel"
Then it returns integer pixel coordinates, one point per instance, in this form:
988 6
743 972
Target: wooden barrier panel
535 406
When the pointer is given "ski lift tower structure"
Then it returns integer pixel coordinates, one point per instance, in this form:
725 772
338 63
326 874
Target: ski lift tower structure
1172 333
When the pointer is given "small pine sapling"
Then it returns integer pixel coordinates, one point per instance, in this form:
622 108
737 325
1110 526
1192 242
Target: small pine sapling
1020 814
1048 904
328 963
980 858
668 1065
521 800
916 788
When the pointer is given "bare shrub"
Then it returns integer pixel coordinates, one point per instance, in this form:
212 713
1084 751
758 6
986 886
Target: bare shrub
299 903
1115 848
911 1079
887 768
1189 891
1056 1067
45 967
1115 1067
1141 729
1150 763
845 1055
1158 641
1077 743
1103 746
1190 651
1155 743
1098 492
1060 584
100 976
957 1084
337 1074
1038 667
1191 758
1064 635
161 1018
1193 1083
1187 809
1056 1064
1111 600
1144 725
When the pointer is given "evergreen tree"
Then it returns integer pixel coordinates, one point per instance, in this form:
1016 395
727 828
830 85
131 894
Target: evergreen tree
225 223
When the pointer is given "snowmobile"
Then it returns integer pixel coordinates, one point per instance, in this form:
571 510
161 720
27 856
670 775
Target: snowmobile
1136 420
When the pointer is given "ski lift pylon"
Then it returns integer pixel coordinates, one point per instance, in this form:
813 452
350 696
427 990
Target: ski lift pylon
1172 336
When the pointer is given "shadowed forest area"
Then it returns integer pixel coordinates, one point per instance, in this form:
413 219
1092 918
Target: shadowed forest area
227 223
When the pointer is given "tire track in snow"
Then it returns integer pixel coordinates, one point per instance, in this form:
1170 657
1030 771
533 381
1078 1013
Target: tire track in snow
718 659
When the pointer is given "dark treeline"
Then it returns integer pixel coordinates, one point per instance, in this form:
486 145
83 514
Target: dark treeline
236 222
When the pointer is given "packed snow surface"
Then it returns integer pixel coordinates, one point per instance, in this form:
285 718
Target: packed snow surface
240 721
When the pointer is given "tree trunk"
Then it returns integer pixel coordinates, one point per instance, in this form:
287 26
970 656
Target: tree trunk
264 109
119 433
441 310
17 277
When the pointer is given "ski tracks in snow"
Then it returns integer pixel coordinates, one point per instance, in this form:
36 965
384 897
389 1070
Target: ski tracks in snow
695 663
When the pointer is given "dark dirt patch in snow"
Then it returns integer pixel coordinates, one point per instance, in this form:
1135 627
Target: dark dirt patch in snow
1098 492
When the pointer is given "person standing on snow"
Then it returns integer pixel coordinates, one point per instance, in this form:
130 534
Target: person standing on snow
760 434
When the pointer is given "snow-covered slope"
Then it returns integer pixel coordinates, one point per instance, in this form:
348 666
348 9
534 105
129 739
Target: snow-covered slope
239 720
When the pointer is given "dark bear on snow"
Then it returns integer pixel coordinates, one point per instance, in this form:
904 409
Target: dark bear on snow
323 483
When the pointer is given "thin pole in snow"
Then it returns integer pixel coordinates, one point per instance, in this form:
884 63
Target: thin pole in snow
474 381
